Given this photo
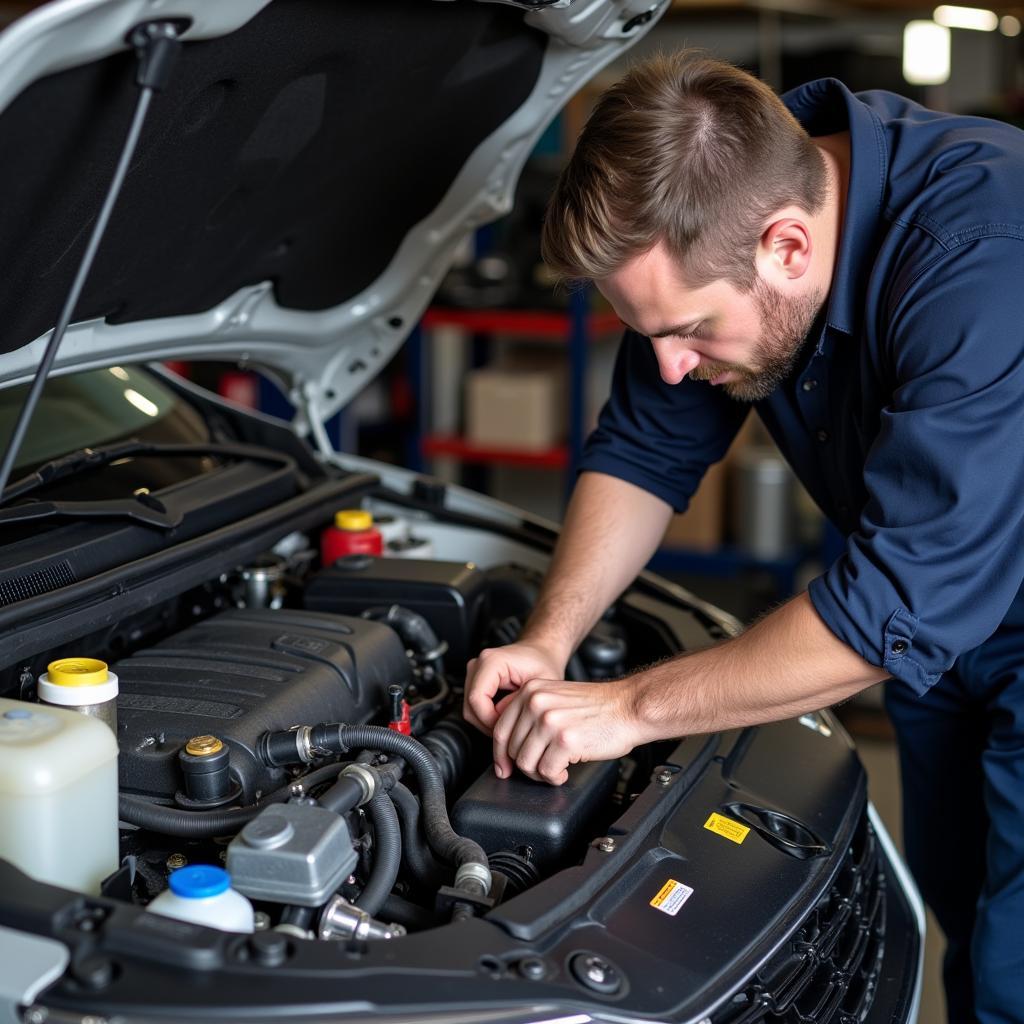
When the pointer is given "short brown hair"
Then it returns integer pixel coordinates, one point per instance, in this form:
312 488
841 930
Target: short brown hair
686 150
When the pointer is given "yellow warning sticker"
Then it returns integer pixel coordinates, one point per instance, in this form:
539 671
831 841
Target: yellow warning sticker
671 897
726 828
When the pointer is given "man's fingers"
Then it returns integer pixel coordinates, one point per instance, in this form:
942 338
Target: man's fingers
469 715
506 724
479 700
553 766
526 726
504 702
530 751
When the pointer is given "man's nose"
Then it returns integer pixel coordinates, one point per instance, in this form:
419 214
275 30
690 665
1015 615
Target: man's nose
675 360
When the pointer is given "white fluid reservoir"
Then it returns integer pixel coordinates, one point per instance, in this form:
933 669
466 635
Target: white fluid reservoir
202 894
58 795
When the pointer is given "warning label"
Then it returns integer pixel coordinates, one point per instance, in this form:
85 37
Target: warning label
671 897
726 828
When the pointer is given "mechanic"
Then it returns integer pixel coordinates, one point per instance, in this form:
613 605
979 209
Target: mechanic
852 266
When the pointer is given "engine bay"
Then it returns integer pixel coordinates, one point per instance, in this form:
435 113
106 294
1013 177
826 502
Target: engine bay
298 722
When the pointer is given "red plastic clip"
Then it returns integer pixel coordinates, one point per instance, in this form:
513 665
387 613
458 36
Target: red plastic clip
403 724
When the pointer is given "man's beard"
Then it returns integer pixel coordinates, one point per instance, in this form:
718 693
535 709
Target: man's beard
785 325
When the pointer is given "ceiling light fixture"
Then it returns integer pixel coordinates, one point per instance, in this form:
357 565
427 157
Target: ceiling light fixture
966 17
925 53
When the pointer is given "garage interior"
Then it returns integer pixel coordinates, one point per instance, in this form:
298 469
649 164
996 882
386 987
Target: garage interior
500 382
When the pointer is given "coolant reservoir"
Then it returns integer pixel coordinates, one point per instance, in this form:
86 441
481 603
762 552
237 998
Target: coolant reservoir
58 795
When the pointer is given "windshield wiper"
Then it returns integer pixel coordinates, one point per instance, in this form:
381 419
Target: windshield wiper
144 508
93 458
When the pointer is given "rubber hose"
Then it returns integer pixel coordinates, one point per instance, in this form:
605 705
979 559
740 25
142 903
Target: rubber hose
425 870
387 855
412 916
171 821
280 748
451 742
412 627
301 917
345 794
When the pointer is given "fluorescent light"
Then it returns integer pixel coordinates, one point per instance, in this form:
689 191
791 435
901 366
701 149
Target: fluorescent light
118 373
1009 25
141 402
966 17
925 53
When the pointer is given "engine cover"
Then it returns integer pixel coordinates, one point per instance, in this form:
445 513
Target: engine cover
240 673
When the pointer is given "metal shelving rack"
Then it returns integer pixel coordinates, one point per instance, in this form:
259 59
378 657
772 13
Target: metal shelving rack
576 327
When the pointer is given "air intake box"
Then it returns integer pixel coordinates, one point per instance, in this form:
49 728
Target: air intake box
451 596
507 814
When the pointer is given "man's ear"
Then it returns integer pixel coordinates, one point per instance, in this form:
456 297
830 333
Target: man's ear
784 251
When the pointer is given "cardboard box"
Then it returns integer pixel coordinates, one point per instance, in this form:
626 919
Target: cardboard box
703 526
515 408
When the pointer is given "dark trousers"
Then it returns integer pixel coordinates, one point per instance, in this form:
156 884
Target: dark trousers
962 765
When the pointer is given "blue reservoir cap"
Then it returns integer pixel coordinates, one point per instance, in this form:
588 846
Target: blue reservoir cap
198 881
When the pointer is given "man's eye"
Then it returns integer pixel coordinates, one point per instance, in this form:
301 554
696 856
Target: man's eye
697 332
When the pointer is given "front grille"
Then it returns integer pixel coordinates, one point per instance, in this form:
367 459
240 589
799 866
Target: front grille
828 971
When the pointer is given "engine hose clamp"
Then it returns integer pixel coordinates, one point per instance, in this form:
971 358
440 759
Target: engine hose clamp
304 743
476 875
434 653
366 777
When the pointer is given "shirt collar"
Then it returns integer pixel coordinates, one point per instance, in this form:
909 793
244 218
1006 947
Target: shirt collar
823 107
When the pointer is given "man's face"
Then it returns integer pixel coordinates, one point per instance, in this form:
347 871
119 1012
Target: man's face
747 344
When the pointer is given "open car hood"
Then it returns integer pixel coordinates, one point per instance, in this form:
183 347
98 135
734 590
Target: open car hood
300 186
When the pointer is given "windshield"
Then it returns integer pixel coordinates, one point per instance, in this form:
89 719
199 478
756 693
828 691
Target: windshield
84 410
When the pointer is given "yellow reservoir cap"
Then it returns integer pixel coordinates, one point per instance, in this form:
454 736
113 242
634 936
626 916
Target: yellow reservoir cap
77 672
353 519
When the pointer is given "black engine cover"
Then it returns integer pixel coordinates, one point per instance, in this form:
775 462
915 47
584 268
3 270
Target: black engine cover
241 673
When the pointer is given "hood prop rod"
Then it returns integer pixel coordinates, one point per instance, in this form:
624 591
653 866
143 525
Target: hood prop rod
156 46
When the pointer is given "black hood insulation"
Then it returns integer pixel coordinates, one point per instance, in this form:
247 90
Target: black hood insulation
299 149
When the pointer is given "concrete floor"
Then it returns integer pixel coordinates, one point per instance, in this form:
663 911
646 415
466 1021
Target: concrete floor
882 765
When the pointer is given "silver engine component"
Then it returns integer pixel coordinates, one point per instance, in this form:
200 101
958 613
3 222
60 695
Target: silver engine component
341 920
292 853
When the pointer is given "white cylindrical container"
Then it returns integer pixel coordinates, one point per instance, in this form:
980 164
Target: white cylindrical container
202 894
83 684
765 508
58 795
392 529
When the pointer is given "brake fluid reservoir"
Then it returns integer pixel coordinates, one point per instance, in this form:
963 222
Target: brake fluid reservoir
202 894
58 795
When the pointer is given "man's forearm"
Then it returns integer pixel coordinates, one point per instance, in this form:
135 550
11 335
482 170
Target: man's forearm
611 530
785 665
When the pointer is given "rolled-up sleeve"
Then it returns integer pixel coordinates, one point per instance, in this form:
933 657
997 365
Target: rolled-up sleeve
938 556
661 437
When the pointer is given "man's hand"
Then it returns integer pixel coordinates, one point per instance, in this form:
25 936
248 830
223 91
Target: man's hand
783 666
547 725
504 668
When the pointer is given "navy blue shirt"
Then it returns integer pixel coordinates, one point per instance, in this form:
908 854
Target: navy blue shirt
905 416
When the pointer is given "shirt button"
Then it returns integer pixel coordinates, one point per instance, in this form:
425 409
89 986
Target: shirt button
809 385
822 435
899 647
